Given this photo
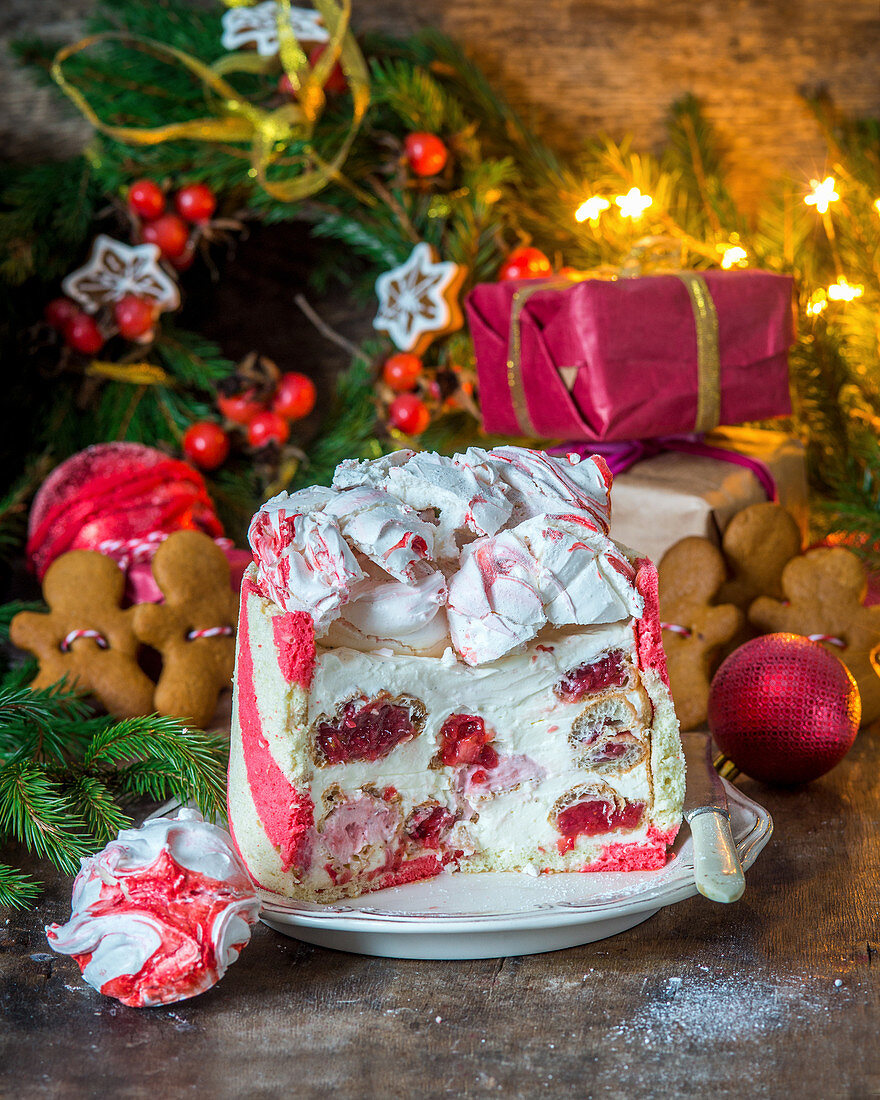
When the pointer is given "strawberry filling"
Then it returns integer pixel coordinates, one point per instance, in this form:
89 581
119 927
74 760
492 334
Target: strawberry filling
464 739
595 816
589 679
429 825
365 731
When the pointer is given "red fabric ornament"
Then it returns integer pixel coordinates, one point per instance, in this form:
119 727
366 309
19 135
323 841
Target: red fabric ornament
784 709
117 492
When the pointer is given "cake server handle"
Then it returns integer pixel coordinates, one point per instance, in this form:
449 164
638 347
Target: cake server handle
717 870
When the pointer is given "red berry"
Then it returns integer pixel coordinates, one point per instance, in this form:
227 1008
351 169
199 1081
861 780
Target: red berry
134 316
60 312
401 371
146 199
336 81
170 233
196 202
408 414
426 154
268 427
240 408
295 396
82 334
206 444
525 263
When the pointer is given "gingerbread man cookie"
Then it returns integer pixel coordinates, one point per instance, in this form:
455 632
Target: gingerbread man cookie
691 573
87 636
758 544
825 591
194 629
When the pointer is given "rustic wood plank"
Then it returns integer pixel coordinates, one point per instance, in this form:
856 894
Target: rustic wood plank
739 1001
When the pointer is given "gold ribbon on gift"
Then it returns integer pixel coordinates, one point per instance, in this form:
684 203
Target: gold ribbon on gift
234 119
708 415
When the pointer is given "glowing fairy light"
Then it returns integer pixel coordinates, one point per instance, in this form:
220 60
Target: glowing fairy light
822 195
818 301
734 257
877 205
633 204
842 291
592 208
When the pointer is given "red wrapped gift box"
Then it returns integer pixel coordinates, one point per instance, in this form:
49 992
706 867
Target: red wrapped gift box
632 358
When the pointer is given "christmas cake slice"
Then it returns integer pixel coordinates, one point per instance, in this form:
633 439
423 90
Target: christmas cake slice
448 664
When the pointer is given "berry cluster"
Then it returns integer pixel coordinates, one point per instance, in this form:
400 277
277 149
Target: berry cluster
412 393
258 404
172 233
134 319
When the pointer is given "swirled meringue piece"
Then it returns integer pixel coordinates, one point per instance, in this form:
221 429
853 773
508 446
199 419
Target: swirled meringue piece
385 530
303 561
545 570
463 500
160 913
539 484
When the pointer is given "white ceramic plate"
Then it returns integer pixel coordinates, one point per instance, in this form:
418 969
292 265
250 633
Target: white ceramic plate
489 915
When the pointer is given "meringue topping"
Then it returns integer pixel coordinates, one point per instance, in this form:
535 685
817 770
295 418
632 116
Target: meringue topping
482 550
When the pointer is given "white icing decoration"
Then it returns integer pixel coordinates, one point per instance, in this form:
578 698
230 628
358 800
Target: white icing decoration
411 298
115 269
258 25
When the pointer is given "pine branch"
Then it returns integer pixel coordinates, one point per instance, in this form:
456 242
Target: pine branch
35 811
17 890
194 761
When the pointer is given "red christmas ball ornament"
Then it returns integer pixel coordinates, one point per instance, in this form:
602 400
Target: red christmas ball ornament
525 263
196 203
146 199
206 444
401 371
268 427
169 233
784 709
425 153
240 408
336 82
82 334
409 414
295 396
135 316
60 312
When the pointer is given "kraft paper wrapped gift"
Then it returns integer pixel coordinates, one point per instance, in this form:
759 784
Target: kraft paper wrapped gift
665 498
635 358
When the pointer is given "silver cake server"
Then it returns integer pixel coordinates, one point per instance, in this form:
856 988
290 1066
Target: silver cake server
717 869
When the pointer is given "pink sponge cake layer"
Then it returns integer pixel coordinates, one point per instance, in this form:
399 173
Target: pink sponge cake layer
449 702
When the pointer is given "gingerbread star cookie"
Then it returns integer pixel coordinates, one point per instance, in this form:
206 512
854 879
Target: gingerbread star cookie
86 635
194 629
824 599
694 628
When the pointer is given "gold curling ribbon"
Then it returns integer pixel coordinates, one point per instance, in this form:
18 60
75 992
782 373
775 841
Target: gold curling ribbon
708 414
237 121
136 374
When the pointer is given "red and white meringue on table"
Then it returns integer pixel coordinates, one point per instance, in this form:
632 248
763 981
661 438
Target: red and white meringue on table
160 913
447 663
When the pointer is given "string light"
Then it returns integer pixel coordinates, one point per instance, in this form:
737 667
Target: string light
818 301
822 195
877 205
842 291
633 204
734 256
591 209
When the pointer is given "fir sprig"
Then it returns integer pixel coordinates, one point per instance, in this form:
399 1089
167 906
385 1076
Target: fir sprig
67 773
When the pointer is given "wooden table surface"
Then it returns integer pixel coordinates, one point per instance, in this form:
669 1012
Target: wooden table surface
776 996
